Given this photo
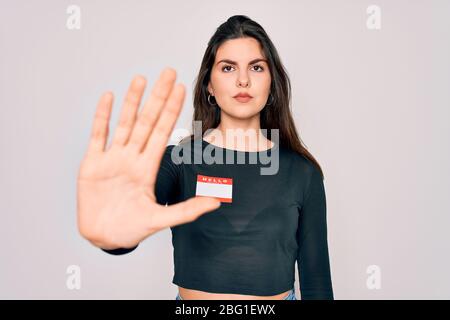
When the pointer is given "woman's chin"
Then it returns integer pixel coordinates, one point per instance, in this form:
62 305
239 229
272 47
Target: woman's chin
243 114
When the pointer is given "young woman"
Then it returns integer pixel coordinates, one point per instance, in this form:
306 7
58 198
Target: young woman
237 232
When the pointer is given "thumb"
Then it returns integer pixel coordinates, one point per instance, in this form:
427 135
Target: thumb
186 211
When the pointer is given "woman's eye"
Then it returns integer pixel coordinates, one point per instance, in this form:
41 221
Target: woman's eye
225 67
256 66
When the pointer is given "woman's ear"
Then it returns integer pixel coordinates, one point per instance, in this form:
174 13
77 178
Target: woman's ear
210 91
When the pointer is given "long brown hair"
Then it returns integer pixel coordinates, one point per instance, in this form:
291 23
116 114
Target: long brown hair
277 115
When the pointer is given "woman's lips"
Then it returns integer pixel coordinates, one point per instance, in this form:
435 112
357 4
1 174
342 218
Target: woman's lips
243 99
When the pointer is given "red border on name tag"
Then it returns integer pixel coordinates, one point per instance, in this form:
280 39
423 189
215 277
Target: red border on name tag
218 180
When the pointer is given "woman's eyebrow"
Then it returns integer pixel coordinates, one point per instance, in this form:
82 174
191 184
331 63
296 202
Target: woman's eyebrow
234 62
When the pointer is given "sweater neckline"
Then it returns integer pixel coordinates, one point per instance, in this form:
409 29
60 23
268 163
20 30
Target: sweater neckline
275 146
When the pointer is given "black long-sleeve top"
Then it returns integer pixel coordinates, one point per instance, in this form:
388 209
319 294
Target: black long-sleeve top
266 222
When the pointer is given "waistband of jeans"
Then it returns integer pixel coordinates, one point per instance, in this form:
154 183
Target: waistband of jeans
292 292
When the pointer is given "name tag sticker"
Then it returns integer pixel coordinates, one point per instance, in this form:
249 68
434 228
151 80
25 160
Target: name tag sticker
216 187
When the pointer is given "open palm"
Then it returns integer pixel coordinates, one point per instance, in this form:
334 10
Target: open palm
116 203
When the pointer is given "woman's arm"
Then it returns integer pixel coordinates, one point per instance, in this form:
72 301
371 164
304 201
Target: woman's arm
313 260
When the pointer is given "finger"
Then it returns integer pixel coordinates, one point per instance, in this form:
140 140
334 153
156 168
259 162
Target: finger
100 127
129 110
184 212
156 144
152 109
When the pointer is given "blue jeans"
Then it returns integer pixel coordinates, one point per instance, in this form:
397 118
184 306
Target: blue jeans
290 296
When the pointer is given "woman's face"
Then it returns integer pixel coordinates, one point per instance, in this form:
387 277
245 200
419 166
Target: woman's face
240 73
